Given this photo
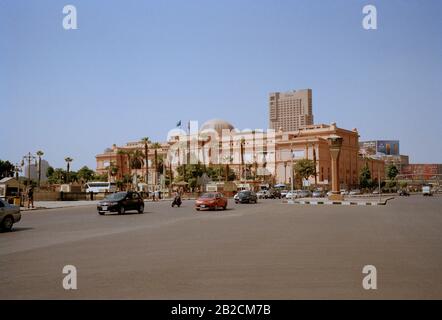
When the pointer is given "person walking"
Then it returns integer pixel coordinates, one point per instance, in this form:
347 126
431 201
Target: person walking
30 195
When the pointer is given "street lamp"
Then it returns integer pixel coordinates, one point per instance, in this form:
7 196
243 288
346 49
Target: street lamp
292 168
28 158
39 154
17 170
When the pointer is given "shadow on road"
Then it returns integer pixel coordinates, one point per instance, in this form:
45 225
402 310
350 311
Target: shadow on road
17 229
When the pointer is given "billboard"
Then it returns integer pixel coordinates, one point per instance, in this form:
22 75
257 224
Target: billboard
388 147
380 147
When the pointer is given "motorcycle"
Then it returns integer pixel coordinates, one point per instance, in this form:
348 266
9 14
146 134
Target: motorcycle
176 201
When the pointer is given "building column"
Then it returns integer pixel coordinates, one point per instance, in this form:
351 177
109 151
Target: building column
335 143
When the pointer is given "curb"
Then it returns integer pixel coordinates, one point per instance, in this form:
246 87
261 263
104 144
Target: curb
341 203
22 209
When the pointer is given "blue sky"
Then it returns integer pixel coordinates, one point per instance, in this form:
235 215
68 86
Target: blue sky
134 68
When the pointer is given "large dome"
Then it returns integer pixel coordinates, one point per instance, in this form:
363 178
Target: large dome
216 124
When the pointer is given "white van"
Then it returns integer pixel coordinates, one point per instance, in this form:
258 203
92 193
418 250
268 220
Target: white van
97 187
426 190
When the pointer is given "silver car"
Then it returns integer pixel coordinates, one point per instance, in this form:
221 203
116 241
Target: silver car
292 194
9 214
318 194
304 194
284 193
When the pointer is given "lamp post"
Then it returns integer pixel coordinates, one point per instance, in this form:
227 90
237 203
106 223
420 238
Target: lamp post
17 170
292 168
335 144
28 158
68 165
39 154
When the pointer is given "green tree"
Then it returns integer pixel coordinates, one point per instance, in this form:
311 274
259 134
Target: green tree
304 168
365 177
392 172
100 177
6 169
146 142
73 176
85 174
403 184
112 170
155 147
187 171
49 172
56 176
221 173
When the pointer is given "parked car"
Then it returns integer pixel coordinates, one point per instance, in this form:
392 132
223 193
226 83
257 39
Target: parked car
376 191
121 202
246 197
284 193
9 214
304 193
211 201
426 191
344 192
355 192
318 194
292 194
263 194
403 193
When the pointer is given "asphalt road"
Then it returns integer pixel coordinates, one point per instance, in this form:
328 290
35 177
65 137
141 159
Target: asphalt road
269 250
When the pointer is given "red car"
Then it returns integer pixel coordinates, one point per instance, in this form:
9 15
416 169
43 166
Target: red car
211 201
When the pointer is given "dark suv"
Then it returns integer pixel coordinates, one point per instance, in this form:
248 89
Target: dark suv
246 197
121 202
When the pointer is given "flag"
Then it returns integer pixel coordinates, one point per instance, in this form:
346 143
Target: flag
178 124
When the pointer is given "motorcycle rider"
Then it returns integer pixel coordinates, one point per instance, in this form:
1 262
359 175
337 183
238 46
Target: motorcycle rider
177 199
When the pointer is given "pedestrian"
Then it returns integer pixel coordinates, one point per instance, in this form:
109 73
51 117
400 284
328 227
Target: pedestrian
153 196
31 197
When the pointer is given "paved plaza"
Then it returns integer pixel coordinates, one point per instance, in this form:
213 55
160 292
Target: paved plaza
270 250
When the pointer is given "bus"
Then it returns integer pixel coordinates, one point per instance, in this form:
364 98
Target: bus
97 187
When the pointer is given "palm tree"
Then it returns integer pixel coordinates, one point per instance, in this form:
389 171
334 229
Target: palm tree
68 166
227 161
137 162
112 170
129 154
39 155
243 142
121 154
156 146
146 142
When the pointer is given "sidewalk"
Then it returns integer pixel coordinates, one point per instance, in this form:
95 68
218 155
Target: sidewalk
59 204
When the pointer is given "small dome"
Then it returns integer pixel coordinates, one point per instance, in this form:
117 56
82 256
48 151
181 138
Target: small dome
216 124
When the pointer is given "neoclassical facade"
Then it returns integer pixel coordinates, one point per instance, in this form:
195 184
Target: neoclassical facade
268 155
